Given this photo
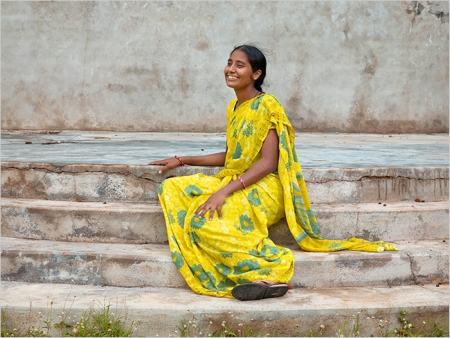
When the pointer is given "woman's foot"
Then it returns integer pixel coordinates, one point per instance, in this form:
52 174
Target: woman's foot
259 290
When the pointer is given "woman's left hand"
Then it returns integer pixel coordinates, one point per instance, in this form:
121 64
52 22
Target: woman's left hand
214 203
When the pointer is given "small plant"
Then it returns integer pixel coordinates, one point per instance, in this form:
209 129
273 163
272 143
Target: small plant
99 322
430 328
435 329
190 329
225 331
405 329
184 330
356 326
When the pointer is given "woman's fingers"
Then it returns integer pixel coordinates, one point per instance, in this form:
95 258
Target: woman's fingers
164 169
219 212
213 204
204 208
211 213
168 164
157 163
200 212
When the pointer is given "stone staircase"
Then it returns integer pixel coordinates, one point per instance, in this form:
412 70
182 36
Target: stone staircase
96 231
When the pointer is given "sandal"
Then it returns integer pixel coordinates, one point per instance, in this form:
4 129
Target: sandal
259 289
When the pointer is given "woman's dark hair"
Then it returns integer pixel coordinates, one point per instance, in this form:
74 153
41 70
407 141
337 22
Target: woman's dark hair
257 61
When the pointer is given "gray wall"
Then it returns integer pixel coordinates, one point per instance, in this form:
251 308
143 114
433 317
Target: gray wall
376 67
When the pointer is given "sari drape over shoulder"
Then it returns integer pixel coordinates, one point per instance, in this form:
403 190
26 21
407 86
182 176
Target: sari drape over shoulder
214 256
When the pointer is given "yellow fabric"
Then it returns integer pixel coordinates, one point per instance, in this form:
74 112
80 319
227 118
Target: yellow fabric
214 256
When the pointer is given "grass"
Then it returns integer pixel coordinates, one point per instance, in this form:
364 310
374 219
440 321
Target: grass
102 322
94 322
430 328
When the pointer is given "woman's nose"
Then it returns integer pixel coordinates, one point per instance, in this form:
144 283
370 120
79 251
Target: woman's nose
231 68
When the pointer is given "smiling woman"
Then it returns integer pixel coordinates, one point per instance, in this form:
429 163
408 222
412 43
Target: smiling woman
218 225
245 72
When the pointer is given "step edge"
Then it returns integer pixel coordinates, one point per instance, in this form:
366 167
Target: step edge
9 245
345 207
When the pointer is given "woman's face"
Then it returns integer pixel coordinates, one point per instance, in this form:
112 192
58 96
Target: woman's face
238 71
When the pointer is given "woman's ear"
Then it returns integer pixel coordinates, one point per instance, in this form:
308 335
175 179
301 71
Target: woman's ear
257 74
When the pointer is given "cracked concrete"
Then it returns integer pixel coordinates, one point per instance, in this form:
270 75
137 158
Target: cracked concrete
289 316
131 265
140 184
144 223
107 242
337 167
412 269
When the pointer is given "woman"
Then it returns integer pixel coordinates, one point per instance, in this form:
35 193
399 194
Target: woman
218 225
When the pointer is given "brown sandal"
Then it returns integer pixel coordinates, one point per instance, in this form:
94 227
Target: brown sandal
259 289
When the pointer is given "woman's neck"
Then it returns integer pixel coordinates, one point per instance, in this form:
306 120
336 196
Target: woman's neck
246 94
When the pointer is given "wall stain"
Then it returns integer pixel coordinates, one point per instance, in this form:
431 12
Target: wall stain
292 108
202 45
294 103
127 89
359 117
440 15
138 71
164 3
184 83
437 122
371 64
417 8
346 30
146 79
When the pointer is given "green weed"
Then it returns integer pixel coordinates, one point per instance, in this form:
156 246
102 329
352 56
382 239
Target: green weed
429 328
102 322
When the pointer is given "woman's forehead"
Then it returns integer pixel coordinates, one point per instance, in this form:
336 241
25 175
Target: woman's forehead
239 55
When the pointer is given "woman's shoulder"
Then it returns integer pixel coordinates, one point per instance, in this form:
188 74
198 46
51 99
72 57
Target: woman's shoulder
271 101
270 98
273 108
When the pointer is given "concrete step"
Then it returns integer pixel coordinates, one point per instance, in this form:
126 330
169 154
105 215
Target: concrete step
132 265
162 311
139 183
315 150
144 223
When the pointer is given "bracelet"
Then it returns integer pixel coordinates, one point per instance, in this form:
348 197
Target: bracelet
242 181
179 159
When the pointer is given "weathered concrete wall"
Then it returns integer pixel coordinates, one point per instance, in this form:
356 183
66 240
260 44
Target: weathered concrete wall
378 67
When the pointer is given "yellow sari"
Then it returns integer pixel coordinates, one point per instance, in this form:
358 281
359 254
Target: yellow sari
214 256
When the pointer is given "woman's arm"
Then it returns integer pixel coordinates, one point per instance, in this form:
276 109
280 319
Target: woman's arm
267 164
217 159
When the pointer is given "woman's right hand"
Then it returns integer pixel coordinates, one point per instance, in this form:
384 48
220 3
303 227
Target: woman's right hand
168 163
217 159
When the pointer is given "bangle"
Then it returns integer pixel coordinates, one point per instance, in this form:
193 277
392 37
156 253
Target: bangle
179 159
242 181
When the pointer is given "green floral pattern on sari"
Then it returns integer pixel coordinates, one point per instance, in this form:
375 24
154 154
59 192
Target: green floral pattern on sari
215 255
